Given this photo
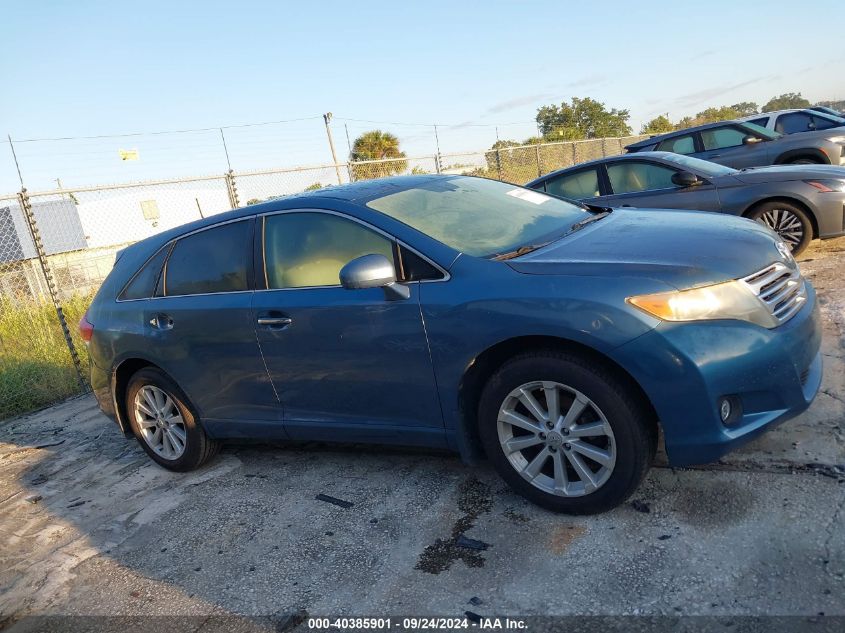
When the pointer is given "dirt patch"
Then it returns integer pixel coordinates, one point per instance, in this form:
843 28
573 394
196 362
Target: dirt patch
563 536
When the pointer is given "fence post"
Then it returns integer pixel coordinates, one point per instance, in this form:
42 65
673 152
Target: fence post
603 147
438 166
499 162
232 189
29 216
539 169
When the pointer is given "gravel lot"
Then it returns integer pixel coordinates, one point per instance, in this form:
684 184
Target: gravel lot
113 534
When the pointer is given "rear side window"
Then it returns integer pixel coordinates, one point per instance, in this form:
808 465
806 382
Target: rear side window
580 185
761 122
143 284
678 145
306 250
213 260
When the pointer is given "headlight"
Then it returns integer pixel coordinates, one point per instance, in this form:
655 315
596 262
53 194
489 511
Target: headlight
729 300
827 185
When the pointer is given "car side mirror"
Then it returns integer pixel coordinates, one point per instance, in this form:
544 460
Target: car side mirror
750 140
685 179
373 271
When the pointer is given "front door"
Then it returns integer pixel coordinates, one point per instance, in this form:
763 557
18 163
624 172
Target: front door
648 184
346 364
724 145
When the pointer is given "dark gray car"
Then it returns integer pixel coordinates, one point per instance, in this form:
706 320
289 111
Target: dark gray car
741 144
800 202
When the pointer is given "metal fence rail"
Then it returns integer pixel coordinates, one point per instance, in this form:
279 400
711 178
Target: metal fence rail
56 247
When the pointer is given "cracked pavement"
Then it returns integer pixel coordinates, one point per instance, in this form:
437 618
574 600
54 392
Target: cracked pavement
111 533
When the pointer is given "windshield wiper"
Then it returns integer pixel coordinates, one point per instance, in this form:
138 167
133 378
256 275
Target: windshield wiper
582 223
522 250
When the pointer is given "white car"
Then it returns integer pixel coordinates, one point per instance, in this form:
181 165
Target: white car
795 121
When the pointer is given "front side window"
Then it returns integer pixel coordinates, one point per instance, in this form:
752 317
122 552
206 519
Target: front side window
478 216
213 260
308 249
630 177
679 145
722 137
580 185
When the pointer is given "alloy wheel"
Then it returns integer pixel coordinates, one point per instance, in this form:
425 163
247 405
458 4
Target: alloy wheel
786 224
556 438
160 422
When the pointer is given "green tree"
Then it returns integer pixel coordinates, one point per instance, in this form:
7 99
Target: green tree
252 201
746 108
314 186
786 101
583 118
658 125
377 145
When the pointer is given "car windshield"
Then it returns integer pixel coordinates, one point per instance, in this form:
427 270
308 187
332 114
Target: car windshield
761 131
703 167
481 217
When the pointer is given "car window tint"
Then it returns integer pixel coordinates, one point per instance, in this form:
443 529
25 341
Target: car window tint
794 122
822 123
214 260
415 268
722 137
580 185
629 176
143 284
678 145
762 122
309 249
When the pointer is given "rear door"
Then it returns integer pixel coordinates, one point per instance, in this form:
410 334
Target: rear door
201 327
347 364
645 183
581 184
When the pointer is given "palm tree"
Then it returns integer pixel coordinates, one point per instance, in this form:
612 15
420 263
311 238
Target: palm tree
376 145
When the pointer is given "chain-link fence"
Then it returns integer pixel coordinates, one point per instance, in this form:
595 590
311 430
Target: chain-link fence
56 247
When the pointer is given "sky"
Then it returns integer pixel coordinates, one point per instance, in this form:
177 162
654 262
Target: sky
476 69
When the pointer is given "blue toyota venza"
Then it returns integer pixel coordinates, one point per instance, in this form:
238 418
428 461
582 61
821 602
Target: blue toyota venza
460 313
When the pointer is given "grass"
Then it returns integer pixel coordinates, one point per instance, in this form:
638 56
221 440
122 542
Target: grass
35 364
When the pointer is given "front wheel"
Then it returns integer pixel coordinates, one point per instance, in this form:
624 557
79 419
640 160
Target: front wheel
565 433
163 421
789 221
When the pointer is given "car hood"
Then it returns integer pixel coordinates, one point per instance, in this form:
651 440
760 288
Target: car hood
782 173
681 248
805 139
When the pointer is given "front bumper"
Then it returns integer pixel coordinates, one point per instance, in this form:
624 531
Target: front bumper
685 368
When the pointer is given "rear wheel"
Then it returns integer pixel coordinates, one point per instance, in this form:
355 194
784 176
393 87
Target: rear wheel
163 421
565 433
805 160
788 220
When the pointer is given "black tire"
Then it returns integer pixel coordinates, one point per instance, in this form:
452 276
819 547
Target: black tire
198 449
771 214
804 160
635 433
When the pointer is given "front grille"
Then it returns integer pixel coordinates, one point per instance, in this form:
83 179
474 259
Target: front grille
781 288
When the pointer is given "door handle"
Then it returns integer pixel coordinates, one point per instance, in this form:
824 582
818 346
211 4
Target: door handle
162 322
274 321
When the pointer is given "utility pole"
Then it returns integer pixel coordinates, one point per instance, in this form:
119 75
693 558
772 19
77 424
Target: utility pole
327 117
15 156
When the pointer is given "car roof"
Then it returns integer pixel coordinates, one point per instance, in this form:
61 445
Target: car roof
660 137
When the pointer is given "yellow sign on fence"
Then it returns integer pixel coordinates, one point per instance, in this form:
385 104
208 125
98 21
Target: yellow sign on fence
128 154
